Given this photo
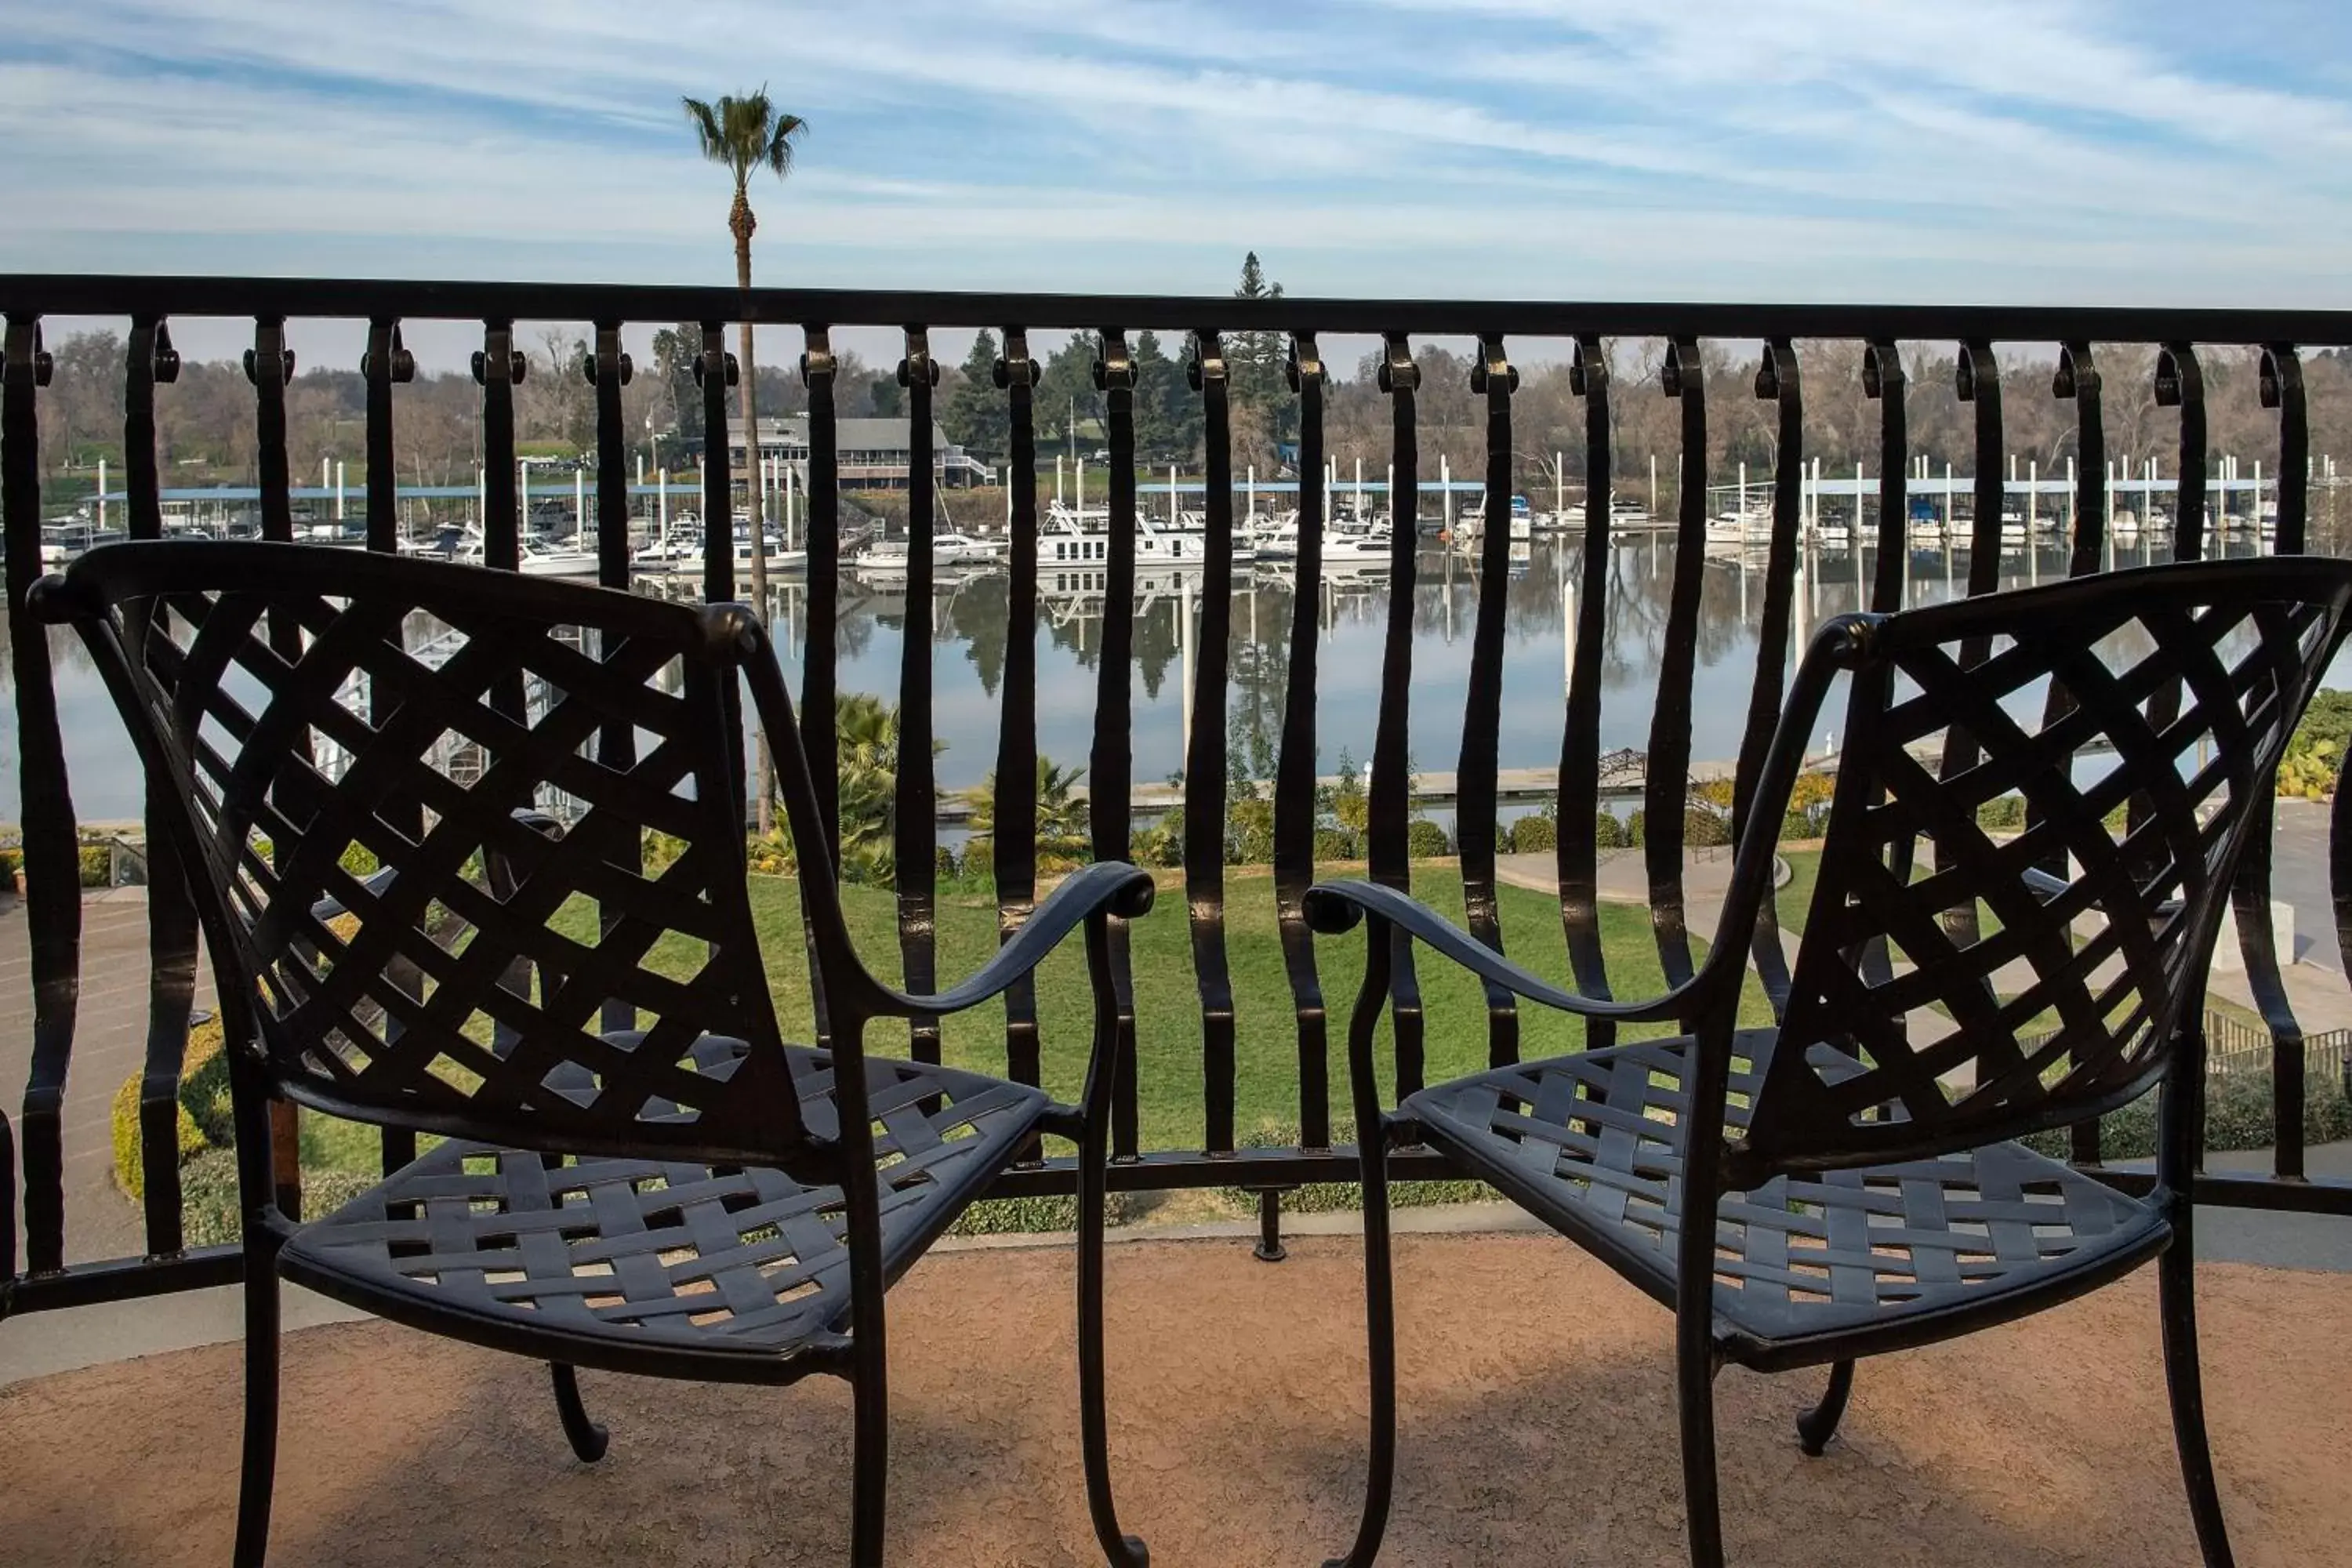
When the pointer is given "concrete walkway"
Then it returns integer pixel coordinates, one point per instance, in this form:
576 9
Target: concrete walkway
110 1044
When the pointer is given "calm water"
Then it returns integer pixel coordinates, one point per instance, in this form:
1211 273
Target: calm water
967 628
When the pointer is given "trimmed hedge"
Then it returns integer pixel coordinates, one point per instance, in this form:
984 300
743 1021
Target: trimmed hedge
204 1116
1531 835
127 1170
1332 1198
211 1214
1023 1216
1425 840
2237 1116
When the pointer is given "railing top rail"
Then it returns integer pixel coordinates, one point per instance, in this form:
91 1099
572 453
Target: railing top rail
92 294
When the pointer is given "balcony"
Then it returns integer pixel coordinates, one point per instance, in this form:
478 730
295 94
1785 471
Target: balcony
1537 1389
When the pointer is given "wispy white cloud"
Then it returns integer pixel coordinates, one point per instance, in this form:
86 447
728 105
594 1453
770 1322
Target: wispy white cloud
1843 148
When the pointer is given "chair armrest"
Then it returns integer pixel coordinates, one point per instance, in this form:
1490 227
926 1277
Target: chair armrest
1333 908
1110 887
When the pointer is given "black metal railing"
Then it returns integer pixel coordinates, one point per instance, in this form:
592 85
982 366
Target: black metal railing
32 1159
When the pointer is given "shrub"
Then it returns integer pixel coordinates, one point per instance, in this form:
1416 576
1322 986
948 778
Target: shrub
96 865
1018 1216
1533 835
2237 1116
943 862
1704 828
2003 813
771 855
1797 825
129 1170
211 1213
1160 845
1608 833
1328 1197
203 1115
1250 845
1425 840
11 862
1338 844
979 862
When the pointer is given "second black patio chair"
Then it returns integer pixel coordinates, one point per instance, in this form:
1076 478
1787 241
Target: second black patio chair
639 1174
1859 1166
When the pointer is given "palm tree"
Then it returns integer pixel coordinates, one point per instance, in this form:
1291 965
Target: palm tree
865 730
744 134
1062 832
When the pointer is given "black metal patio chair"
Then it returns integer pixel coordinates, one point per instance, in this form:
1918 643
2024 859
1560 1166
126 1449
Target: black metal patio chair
1860 1162
639 1174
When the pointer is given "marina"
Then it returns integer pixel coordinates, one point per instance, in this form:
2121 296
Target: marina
966 623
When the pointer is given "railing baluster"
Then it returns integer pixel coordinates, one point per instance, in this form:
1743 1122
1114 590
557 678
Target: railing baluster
1204 752
385 363
714 373
2078 378
270 366
1013 851
1665 784
616 742
2281 381
1978 383
2180 383
1389 802
1110 764
1778 381
918 797
498 370
1477 780
1294 769
1577 845
171 911
1883 381
819 666
52 868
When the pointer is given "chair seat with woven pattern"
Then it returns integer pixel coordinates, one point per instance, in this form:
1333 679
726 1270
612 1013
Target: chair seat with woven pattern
1808 1268
620 1259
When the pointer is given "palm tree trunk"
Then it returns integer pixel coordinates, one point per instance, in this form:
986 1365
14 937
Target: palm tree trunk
764 770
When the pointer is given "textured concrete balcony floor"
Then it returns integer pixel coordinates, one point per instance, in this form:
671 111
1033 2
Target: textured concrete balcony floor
1538 1428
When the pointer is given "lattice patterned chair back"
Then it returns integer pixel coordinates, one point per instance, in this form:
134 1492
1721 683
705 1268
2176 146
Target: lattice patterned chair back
299 712
2034 975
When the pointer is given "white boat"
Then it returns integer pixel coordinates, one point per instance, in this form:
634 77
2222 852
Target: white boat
1624 512
1066 540
673 551
1273 538
1744 530
574 558
2012 527
888 557
1367 549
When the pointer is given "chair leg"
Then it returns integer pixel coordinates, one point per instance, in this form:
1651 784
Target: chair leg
1695 1372
1122 1550
1816 1426
869 1460
1380 1334
259 1471
2176 1273
588 1438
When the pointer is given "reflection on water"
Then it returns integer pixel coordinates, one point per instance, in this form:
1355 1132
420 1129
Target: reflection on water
967 628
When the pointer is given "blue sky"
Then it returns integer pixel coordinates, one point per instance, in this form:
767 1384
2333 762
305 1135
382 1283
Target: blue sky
2125 150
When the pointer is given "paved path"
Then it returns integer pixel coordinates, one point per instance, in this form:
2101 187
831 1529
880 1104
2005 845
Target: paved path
110 1044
